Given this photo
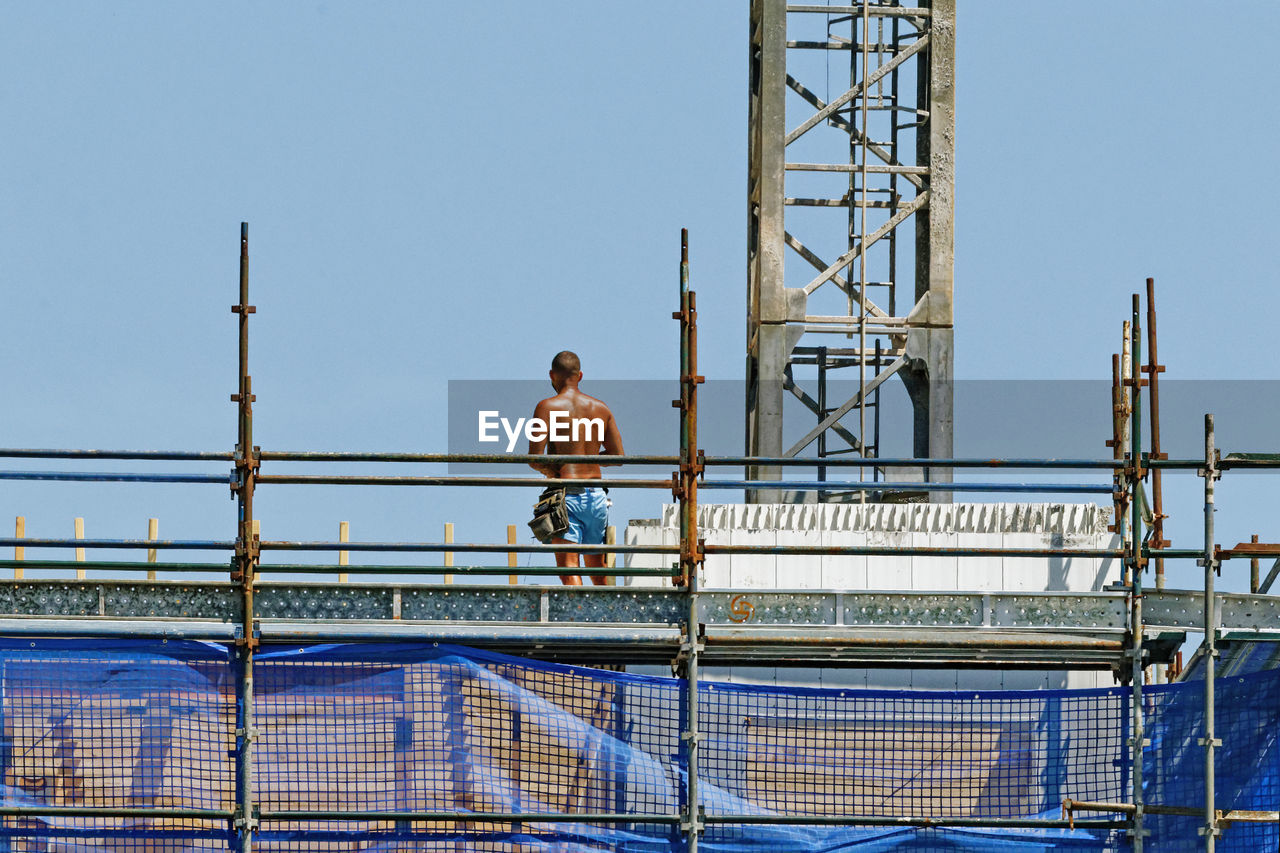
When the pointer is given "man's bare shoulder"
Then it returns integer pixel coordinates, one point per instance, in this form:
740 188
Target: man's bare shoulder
599 407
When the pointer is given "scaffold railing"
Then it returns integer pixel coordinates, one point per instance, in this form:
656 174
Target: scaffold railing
683 624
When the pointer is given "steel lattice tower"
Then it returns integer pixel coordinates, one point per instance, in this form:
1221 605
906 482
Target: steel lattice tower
850 193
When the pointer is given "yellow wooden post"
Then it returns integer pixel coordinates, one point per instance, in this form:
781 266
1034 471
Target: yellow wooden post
19 553
80 551
610 559
153 533
511 555
448 555
344 534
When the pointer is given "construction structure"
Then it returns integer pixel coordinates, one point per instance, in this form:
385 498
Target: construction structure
265 712
242 713
858 194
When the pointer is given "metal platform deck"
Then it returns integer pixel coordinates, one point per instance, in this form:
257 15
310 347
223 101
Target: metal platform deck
802 627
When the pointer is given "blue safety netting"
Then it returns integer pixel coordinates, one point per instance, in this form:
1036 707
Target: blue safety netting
459 733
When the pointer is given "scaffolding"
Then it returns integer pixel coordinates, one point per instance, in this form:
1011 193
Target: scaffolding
1127 628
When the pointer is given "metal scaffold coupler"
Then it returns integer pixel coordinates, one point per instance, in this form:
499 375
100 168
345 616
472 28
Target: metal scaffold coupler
698 824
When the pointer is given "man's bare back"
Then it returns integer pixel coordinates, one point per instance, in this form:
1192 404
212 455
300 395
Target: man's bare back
592 431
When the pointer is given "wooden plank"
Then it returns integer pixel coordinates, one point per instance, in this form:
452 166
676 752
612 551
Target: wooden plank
153 533
512 579
611 559
448 555
80 551
19 553
344 557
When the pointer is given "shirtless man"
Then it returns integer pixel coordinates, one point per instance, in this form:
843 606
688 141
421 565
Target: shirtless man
593 431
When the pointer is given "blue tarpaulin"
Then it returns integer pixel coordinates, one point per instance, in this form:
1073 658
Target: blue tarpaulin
434 728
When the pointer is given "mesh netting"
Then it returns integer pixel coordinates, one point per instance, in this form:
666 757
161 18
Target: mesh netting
413 728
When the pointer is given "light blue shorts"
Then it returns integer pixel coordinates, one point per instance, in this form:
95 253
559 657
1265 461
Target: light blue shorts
588 516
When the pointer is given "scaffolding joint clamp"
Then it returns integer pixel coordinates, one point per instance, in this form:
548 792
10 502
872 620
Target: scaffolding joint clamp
690 648
696 823
244 309
1209 741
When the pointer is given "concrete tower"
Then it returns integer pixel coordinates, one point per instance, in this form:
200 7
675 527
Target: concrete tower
850 224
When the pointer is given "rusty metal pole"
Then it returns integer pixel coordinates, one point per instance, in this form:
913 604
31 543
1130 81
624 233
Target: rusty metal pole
1153 369
1136 562
1119 484
246 562
1254 570
691 546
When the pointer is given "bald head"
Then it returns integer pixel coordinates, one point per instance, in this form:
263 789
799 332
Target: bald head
565 364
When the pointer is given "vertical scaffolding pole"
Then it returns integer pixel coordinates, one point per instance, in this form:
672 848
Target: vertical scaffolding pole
1138 736
1210 561
1153 370
1117 448
246 562
691 467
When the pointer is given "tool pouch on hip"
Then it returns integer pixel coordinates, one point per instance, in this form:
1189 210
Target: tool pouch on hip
550 515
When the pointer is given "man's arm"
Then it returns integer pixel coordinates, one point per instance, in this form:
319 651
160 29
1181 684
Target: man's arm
536 448
612 440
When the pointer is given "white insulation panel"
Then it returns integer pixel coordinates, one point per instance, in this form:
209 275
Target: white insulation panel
974 525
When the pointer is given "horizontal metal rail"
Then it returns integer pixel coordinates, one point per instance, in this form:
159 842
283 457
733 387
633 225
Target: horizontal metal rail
118 477
303 815
812 550
870 9
119 565
468 817
462 458
445 547
910 550
852 461
106 811
887 820
121 544
501 548
1229 461
540 482
530 482
174 628
322 568
153 455
479 571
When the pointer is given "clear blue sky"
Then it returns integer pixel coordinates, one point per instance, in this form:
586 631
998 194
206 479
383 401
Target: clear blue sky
449 191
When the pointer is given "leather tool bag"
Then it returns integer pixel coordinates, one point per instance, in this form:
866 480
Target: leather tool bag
550 515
